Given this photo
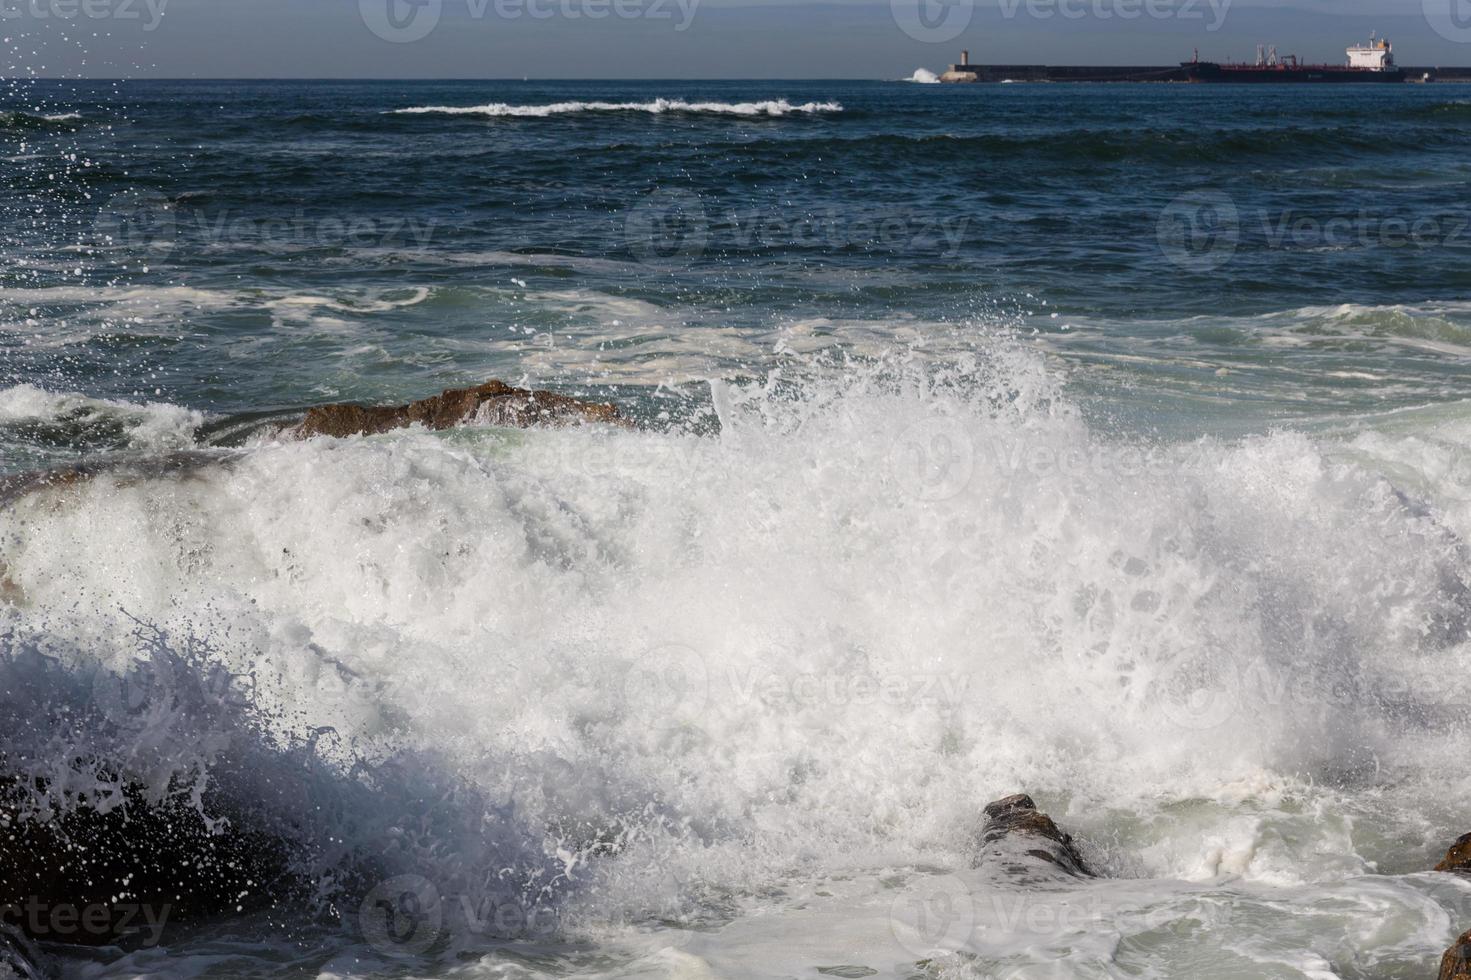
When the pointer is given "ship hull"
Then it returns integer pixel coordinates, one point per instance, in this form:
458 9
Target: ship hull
1280 75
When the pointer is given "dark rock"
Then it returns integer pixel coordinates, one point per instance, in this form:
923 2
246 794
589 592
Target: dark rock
84 877
493 403
1016 831
1458 858
1456 963
21 957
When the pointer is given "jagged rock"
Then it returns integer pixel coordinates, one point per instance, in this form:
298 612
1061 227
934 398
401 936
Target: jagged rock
1015 831
1458 858
493 403
1456 963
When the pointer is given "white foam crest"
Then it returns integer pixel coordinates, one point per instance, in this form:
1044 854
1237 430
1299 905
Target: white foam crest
153 426
838 627
768 107
923 76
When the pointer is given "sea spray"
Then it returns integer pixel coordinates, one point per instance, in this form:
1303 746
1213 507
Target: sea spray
859 609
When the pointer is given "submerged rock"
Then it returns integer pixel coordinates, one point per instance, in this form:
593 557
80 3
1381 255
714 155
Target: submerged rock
1016 831
1456 963
1458 858
493 403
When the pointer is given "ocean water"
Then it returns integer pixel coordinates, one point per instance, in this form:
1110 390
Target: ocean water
1108 443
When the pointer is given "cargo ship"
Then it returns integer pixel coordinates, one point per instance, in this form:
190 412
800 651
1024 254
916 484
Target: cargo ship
1372 62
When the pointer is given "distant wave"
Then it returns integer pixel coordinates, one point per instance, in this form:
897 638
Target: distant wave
923 76
13 119
776 107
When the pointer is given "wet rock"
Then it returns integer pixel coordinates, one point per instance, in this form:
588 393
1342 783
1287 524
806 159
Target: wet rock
19 956
1021 839
493 403
1458 858
121 877
1456 963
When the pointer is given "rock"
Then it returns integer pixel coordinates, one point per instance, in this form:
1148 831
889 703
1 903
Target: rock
1458 858
83 877
1456 963
20 957
1016 831
493 403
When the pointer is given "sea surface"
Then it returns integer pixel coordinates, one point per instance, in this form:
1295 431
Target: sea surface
1108 443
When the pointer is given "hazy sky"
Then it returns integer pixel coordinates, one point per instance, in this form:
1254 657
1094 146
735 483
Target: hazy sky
688 38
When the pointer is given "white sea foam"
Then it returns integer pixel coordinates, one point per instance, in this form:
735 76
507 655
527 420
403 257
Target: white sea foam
923 76
144 426
785 664
770 107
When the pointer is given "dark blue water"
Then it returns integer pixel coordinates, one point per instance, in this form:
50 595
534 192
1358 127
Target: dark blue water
1105 442
236 246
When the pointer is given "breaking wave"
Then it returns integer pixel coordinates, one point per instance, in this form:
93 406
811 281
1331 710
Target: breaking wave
571 667
16 120
773 107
